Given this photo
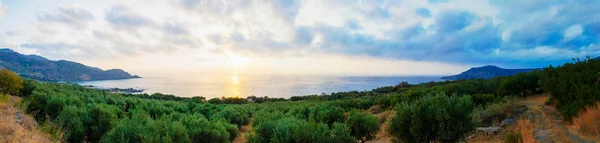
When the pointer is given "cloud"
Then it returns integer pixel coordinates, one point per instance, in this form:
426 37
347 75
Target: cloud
123 18
504 32
2 11
175 28
71 16
572 32
452 21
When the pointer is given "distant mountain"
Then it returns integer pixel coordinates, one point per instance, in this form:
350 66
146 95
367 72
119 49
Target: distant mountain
40 68
486 72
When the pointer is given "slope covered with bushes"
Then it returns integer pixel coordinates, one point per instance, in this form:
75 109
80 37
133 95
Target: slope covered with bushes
435 111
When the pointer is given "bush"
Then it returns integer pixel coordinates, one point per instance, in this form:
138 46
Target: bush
433 118
573 87
363 127
10 82
292 129
328 114
73 120
233 115
102 119
513 137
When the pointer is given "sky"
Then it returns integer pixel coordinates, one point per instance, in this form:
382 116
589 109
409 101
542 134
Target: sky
338 37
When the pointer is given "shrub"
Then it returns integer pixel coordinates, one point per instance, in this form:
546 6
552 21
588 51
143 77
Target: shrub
215 101
73 120
233 115
328 114
433 118
513 137
588 121
292 129
495 112
10 82
363 127
102 119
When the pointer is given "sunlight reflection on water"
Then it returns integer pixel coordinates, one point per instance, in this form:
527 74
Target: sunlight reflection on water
237 85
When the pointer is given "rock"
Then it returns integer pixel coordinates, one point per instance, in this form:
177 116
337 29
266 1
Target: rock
531 117
508 122
3 114
35 124
489 130
18 115
542 135
19 121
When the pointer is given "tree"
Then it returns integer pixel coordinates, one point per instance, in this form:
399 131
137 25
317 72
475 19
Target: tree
10 82
363 127
215 101
433 118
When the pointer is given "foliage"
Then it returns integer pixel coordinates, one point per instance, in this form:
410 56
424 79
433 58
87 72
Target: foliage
364 127
292 129
512 137
433 118
573 86
10 82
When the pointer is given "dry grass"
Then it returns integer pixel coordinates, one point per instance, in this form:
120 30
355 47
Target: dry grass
588 121
13 132
526 128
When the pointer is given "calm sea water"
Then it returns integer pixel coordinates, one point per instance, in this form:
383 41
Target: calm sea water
242 86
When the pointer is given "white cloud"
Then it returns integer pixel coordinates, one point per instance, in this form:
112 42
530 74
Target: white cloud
72 16
572 32
2 11
515 30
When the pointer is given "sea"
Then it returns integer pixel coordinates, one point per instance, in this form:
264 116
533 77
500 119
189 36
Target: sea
273 86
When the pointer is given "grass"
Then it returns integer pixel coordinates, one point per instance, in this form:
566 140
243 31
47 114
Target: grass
4 98
526 128
588 121
11 131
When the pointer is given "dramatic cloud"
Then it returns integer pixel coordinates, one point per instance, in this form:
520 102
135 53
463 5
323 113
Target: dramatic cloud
513 33
71 16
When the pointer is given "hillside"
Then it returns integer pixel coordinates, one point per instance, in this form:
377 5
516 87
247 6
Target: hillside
486 72
40 68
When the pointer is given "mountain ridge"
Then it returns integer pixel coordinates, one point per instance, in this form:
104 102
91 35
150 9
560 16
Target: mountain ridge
41 68
489 71
485 72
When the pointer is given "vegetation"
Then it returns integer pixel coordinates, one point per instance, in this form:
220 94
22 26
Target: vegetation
573 86
433 118
526 129
588 121
513 137
429 112
10 82
363 127
40 68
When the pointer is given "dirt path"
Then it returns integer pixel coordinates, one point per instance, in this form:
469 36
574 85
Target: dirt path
16 127
382 135
243 131
549 123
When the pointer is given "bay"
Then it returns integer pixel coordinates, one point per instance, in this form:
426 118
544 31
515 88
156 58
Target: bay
280 86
